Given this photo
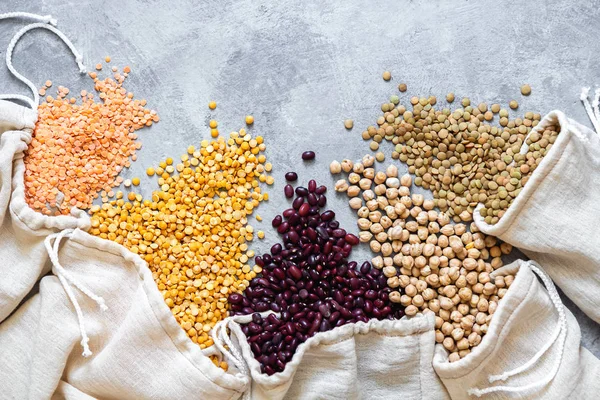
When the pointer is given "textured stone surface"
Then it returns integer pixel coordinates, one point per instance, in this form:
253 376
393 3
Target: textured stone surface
302 67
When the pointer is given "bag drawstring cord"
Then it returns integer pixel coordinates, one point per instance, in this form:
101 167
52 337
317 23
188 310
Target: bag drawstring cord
596 104
221 338
593 113
11 68
66 280
560 334
36 17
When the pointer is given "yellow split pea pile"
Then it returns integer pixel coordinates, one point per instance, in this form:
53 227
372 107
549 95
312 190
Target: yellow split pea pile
194 231
78 150
459 155
431 264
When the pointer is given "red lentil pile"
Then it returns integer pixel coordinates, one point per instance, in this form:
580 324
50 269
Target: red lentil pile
78 150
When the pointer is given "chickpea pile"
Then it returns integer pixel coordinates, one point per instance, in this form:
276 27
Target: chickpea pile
194 231
432 264
458 154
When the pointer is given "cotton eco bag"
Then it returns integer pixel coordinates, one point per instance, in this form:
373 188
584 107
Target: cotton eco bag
555 219
375 360
137 350
532 349
22 231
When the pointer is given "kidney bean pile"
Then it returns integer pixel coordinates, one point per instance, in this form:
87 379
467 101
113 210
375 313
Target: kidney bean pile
308 280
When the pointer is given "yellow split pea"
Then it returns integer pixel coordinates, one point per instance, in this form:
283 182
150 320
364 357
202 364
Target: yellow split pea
194 231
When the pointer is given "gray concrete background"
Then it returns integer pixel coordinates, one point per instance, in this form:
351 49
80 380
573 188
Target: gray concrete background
302 67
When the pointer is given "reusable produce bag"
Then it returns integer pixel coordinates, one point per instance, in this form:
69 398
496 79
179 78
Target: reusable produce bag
555 219
137 348
375 360
532 348
22 230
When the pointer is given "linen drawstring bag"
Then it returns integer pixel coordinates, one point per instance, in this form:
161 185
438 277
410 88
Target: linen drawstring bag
375 360
138 350
22 230
532 349
554 219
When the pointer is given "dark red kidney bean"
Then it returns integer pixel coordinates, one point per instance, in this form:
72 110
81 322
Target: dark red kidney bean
328 215
322 201
368 306
289 212
338 233
262 306
255 349
276 249
365 268
304 210
303 325
288 190
324 310
301 191
293 237
279 274
322 232
351 239
298 201
371 294
308 155
325 326
235 298
294 272
312 186
283 227
254 328
321 190
291 176
276 221
312 199
359 302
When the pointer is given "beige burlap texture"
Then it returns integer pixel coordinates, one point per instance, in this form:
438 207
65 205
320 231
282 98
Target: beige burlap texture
22 231
375 360
554 220
532 349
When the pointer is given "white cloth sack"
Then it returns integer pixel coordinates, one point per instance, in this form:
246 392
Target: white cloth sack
22 231
532 349
555 219
139 349
375 360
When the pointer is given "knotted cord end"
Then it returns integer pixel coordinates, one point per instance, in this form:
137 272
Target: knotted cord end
49 19
86 348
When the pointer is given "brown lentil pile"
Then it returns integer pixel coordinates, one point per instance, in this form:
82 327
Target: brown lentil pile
78 150
431 264
194 231
510 178
459 155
